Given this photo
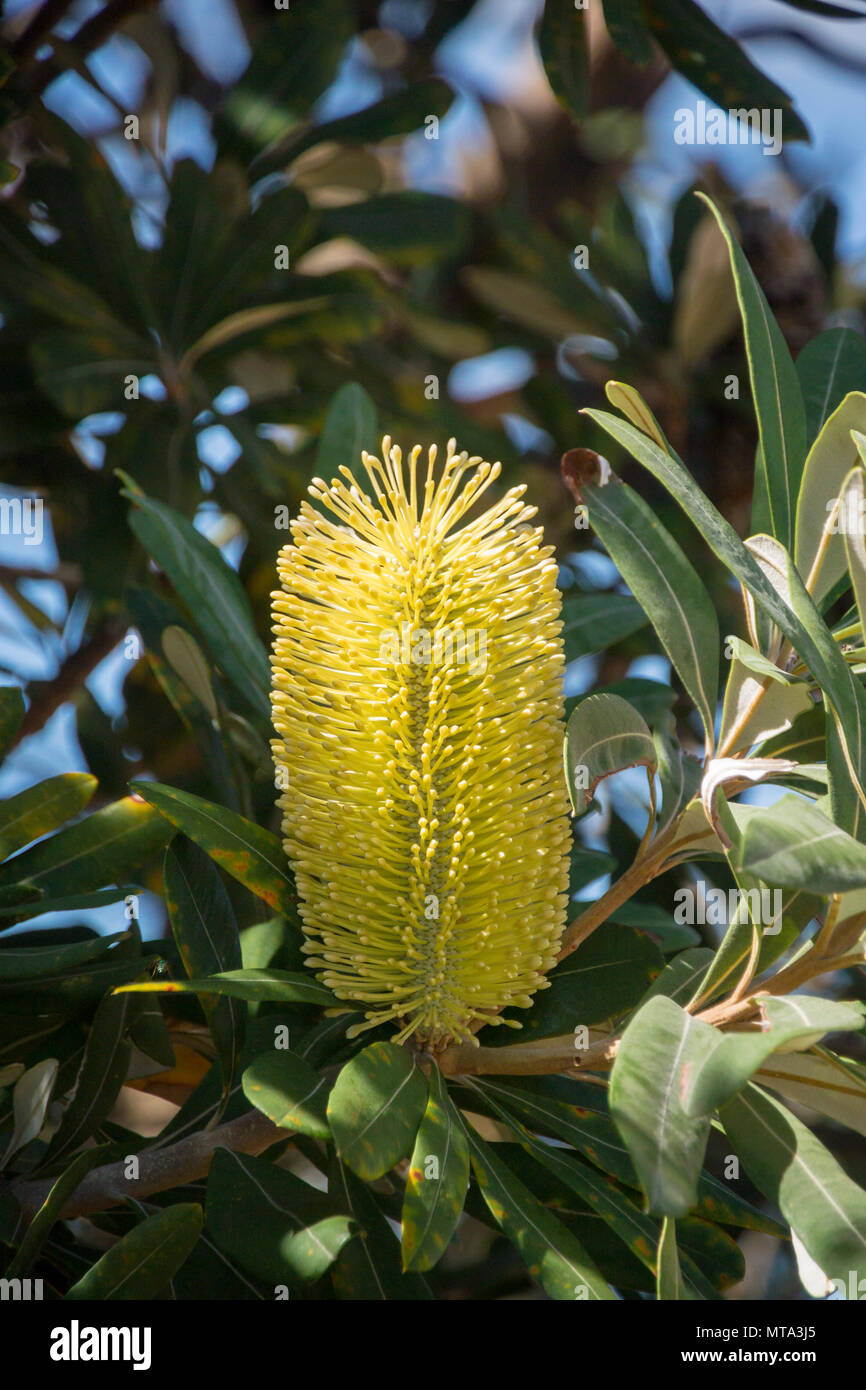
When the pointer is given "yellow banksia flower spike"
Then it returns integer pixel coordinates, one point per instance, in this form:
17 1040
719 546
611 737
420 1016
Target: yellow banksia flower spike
418 707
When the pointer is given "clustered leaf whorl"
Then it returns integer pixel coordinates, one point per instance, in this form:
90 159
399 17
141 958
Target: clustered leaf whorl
418 706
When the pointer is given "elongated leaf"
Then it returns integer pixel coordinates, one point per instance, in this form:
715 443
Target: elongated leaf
12 709
562 40
592 622
802 625
206 934
290 1092
278 985
626 25
375 1108
604 735
30 1101
34 962
49 1213
625 1220
37 810
277 1227
791 1167
292 64
665 584
350 426
680 778
102 1073
681 976
669 1279
141 1264
758 707
437 1181
829 462
552 1254
716 63
822 1082
603 978
410 227
853 494
737 1056
250 854
795 845
103 848
829 367
776 394
667 1146
368 1266
398 113
211 591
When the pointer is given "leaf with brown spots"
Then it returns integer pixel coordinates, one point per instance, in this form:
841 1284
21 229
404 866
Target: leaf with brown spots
437 1182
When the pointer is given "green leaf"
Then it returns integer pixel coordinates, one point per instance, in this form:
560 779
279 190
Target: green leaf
669 1278
206 935
666 585
626 25
84 373
49 1213
795 1171
437 1180
350 426
776 393
656 923
821 1081
829 367
603 736
375 1108
681 976
802 624
853 495
278 985
736 1056
141 1264
32 813
624 1219
211 590
398 113
603 978
667 1146
552 1254
793 844
293 63
586 866
749 717
250 854
105 847
562 41
102 1073
12 709
35 962
289 1092
410 227
594 622
593 1135
185 656
829 462
277 1227
680 777
368 1266
717 65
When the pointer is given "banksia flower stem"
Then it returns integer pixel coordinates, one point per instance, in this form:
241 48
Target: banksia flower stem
418 709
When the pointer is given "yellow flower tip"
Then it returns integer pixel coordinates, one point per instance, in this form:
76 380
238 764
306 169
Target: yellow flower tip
417 693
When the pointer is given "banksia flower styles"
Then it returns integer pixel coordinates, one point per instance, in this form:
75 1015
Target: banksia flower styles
418 707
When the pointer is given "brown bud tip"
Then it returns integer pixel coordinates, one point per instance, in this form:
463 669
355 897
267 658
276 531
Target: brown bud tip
581 467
